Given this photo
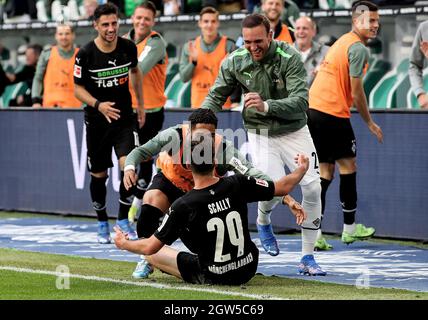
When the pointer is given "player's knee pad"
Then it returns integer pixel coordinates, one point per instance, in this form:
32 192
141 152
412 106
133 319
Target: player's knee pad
311 202
348 191
148 221
268 206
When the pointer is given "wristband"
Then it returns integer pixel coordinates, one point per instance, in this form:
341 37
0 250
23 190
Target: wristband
97 104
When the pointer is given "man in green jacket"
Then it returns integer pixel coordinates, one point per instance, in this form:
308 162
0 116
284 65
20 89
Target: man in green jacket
273 80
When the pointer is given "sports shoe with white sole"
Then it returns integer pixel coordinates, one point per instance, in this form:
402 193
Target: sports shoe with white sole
103 235
126 227
143 269
308 266
267 239
361 233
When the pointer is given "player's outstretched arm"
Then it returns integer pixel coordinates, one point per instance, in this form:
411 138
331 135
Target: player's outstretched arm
284 185
143 246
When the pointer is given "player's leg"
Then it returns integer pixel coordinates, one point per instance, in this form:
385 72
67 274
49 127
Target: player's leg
300 142
154 122
348 198
165 260
322 128
156 202
98 161
267 158
125 139
345 156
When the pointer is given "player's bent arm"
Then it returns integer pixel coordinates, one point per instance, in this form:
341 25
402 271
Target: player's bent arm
142 246
284 185
37 86
166 140
185 68
83 95
360 103
136 78
360 100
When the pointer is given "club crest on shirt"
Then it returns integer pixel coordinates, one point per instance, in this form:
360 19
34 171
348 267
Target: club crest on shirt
77 71
262 183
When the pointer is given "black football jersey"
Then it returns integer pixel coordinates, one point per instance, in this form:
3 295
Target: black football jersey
106 75
213 223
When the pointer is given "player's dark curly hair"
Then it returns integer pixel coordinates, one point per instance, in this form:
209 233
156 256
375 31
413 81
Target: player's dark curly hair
205 116
105 9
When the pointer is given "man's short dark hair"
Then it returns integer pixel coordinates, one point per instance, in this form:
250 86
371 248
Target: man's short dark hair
359 7
211 10
149 6
205 116
105 9
37 48
255 20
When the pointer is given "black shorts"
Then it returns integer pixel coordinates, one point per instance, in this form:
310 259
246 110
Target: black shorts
160 182
101 137
333 137
153 124
191 271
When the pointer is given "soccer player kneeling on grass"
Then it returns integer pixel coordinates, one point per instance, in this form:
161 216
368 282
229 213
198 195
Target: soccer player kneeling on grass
213 218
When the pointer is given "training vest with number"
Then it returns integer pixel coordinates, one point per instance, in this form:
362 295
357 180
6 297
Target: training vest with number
172 165
58 82
153 81
206 71
331 91
285 35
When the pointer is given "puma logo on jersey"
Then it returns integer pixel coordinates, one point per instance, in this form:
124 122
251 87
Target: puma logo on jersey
112 62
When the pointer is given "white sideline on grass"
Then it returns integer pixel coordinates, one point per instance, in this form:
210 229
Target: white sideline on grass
143 284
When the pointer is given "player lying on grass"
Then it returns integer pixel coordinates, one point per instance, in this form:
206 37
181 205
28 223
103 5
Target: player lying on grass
212 221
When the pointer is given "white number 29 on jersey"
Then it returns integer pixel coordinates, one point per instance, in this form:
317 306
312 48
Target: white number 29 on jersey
234 229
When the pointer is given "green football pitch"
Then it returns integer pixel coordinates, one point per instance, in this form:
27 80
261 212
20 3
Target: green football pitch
31 275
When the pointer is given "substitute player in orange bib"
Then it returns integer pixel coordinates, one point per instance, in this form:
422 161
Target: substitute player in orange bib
337 87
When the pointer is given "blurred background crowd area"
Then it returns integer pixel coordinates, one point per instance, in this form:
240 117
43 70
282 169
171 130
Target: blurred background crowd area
12 11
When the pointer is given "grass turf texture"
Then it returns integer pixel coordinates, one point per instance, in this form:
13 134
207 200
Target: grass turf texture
22 285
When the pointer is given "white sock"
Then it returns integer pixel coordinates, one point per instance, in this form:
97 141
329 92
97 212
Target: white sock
263 218
349 228
319 234
136 202
308 241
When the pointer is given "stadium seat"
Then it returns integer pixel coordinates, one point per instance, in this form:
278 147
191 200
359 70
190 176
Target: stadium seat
384 93
171 71
11 92
178 93
377 69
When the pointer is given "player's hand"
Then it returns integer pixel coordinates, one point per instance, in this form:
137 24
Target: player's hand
376 130
253 100
193 52
106 108
120 238
423 100
424 48
295 208
302 162
141 117
129 179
